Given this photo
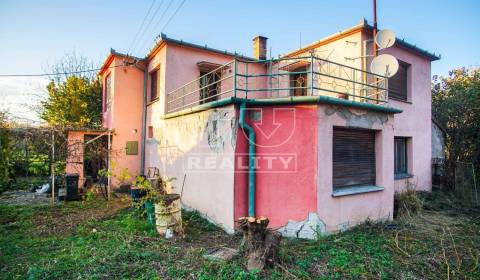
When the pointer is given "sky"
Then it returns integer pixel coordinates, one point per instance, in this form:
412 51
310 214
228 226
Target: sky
34 34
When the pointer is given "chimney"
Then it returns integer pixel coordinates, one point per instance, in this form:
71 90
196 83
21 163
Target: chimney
260 47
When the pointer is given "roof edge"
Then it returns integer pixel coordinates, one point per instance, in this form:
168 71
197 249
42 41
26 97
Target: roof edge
362 26
164 39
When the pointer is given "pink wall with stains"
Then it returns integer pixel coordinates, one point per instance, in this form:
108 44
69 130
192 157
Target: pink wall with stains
286 175
125 115
345 211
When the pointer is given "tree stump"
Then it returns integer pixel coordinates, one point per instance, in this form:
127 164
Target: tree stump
260 245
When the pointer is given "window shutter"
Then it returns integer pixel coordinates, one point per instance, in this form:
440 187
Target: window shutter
397 85
353 157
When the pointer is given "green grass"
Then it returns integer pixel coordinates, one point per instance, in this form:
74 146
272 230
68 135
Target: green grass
125 246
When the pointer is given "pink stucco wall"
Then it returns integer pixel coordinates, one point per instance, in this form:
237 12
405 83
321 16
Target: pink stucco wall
416 120
285 186
342 212
125 116
75 155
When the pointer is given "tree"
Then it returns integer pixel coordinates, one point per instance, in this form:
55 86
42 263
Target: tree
74 99
456 106
6 170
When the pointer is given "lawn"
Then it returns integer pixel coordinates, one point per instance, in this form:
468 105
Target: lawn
100 240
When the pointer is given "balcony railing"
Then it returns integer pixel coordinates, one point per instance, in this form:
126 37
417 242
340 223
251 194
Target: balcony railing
283 77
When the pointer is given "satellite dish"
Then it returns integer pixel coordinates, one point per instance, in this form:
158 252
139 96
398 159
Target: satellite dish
385 38
384 65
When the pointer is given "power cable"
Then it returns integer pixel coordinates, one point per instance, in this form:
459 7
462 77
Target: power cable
141 26
147 26
55 74
173 15
159 20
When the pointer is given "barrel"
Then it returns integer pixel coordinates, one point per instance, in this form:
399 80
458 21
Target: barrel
168 214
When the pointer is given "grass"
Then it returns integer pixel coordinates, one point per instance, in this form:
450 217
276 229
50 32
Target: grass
440 242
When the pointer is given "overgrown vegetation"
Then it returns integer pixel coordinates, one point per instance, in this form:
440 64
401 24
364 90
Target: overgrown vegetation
455 105
84 240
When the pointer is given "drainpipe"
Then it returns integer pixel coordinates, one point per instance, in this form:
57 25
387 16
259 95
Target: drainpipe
251 160
144 116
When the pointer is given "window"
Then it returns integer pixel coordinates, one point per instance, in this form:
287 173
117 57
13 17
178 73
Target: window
153 85
401 164
398 84
150 131
108 92
298 82
353 157
209 86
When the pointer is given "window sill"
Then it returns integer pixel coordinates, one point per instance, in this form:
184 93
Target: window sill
402 176
356 190
153 101
400 100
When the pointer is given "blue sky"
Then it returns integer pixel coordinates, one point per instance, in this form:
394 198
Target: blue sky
35 33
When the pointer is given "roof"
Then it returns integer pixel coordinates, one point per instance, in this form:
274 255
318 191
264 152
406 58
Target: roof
165 39
113 53
362 26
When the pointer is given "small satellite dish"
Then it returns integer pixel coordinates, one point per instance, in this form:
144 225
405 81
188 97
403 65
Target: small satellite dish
385 38
384 65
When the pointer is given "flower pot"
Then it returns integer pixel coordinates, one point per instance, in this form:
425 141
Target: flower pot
168 214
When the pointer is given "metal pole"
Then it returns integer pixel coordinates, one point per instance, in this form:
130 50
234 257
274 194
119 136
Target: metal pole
53 168
235 77
108 167
246 80
311 74
374 28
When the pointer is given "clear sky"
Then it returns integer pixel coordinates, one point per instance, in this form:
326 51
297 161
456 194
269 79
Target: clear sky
35 33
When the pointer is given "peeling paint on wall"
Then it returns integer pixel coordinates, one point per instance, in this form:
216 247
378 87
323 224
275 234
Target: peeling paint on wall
307 229
220 129
356 118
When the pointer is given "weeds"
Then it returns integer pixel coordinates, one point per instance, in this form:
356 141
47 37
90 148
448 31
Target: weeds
437 243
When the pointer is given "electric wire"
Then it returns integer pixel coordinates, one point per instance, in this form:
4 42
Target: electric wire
141 26
173 15
58 73
135 45
159 21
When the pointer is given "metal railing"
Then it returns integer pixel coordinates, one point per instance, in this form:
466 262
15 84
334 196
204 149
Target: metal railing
283 77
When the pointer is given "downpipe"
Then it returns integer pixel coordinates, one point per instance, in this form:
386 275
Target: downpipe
251 159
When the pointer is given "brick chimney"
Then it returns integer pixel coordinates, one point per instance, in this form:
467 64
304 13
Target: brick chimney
260 47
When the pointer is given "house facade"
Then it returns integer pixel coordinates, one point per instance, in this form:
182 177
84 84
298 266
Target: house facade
312 140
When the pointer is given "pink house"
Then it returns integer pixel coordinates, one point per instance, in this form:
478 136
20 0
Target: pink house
312 140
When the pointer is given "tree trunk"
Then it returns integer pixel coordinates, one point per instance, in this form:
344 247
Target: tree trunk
260 244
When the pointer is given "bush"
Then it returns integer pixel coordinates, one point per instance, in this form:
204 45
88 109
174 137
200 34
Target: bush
407 203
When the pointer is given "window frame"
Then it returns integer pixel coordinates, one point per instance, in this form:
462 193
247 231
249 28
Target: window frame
108 92
156 72
402 171
403 94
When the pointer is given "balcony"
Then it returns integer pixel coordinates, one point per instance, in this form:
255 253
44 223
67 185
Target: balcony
277 78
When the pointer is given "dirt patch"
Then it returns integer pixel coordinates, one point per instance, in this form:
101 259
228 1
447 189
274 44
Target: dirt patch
25 198
60 220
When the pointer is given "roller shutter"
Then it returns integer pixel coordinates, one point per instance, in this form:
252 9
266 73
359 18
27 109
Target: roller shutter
353 157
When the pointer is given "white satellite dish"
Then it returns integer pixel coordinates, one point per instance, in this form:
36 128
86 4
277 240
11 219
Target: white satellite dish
385 38
384 65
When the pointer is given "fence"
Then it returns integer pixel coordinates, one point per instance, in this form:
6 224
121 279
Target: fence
283 77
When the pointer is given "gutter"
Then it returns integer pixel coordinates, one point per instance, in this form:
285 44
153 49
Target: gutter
144 116
251 159
285 101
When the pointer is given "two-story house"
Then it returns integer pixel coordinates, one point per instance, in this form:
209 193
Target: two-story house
312 139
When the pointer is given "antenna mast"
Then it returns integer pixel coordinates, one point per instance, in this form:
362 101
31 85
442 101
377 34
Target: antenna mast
374 28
